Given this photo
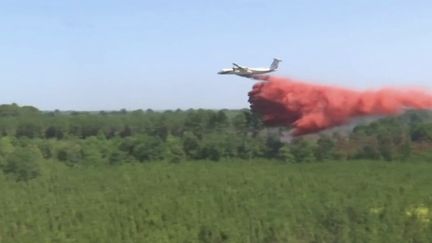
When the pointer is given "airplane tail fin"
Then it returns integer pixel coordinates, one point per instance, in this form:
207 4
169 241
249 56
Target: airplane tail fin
275 64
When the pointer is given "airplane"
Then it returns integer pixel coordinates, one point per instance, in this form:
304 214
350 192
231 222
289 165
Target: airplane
250 72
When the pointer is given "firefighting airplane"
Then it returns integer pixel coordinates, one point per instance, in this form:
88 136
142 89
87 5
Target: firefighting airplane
250 72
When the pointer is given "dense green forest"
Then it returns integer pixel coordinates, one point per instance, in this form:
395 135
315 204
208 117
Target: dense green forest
210 176
30 137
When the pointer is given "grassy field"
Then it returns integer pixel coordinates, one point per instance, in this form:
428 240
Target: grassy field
360 201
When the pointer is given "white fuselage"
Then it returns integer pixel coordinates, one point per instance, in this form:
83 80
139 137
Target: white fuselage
245 71
249 72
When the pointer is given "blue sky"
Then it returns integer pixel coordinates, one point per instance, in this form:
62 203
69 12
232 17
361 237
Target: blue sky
106 55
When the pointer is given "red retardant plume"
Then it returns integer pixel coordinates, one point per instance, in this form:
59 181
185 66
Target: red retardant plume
309 108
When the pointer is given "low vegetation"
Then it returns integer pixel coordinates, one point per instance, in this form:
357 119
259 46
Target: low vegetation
232 201
210 176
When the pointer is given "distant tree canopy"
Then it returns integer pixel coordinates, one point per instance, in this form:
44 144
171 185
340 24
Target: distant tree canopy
116 137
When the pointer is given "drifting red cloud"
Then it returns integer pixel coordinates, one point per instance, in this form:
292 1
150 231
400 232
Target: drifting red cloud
309 108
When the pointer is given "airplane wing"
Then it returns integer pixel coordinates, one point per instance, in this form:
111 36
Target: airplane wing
239 67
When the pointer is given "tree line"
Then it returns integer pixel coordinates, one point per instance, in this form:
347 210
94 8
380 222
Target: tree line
30 137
